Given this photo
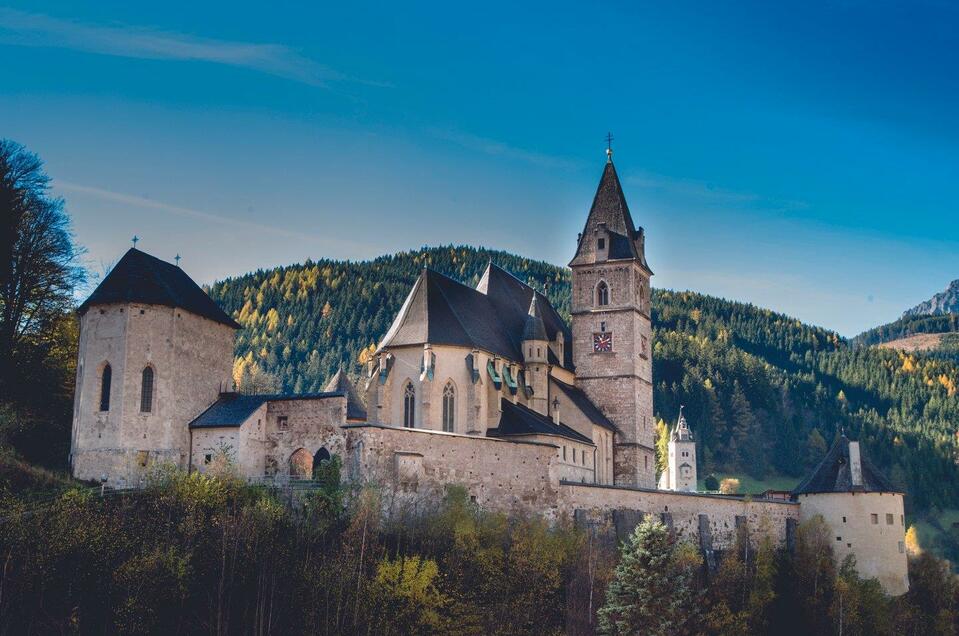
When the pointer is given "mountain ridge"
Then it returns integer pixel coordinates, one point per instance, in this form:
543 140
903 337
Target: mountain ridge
944 302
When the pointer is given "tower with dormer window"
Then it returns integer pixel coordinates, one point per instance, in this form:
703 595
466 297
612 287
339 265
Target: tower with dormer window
612 331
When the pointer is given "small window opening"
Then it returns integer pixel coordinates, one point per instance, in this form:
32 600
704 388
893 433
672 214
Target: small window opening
889 519
146 390
602 293
207 458
105 381
283 422
601 243
875 518
409 405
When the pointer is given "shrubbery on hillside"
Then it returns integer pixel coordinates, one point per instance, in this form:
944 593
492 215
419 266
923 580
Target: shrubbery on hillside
196 554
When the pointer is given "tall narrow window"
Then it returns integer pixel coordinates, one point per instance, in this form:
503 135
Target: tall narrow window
602 293
409 405
146 390
449 408
105 380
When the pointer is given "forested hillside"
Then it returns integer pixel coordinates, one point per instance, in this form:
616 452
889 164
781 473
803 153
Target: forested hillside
764 392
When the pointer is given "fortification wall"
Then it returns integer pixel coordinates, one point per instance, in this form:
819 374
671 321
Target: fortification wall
416 466
710 520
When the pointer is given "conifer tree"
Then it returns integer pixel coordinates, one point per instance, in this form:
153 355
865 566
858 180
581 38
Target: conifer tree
652 588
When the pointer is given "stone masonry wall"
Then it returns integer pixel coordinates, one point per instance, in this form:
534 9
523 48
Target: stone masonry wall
191 358
414 467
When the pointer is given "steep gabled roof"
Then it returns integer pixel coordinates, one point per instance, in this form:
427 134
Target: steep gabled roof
833 473
517 419
340 383
584 404
511 299
141 278
440 310
610 210
232 409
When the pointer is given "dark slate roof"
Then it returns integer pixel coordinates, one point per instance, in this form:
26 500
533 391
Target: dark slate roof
491 317
534 329
232 409
340 383
833 474
517 419
141 278
584 404
609 209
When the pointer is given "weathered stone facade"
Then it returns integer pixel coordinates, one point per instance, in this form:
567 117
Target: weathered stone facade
870 526
191 360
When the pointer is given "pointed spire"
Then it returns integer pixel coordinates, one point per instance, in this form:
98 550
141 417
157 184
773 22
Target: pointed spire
534 329
609 219
682 433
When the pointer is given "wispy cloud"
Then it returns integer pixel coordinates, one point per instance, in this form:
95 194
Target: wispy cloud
150 204
32 29
500 149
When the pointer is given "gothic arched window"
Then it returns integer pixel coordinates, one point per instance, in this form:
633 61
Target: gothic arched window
146 390
602 293
105 380
409 405
449 408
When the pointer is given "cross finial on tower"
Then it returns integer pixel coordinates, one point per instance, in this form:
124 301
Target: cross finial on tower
177 259
135 239
609 146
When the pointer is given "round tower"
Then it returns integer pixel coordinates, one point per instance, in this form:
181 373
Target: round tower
154 352
535 355
864 512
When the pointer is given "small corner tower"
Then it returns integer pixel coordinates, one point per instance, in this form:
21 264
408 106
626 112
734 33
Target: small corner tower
154 352
682 457
612 331
535 353
863 509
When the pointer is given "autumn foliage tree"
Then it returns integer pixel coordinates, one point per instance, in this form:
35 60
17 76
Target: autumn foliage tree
39 271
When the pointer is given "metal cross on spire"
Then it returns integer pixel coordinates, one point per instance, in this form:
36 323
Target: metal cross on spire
135 239
177 259
609 146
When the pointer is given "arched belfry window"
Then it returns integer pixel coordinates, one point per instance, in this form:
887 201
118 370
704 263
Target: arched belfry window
146 390
449 408
409 405
602 293
105 380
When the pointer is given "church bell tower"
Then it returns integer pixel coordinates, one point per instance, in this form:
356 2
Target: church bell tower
612 331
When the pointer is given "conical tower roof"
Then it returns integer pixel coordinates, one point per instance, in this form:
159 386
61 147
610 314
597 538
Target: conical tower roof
835 473
141 278
535 328
610 212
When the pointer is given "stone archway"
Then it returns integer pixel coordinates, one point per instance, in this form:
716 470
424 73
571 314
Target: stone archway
322 455
301 464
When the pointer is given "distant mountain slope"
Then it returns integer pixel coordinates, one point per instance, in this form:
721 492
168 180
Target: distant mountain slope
944 302
909 326
763 391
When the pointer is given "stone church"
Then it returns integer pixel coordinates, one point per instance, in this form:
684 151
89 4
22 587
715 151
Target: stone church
485 387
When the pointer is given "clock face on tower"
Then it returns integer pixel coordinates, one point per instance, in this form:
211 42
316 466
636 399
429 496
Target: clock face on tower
603 342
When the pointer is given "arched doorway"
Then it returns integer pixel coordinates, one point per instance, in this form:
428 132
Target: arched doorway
322 455
301 464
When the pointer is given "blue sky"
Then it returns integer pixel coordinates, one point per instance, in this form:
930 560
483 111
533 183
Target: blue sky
801 156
